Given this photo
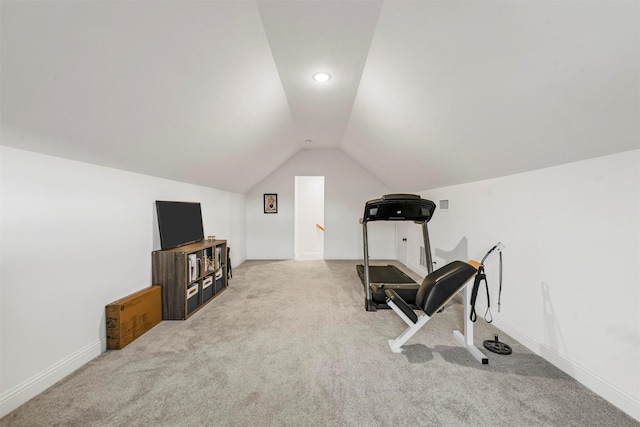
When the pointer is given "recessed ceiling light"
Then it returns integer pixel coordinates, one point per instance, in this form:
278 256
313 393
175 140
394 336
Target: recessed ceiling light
322 77
308 141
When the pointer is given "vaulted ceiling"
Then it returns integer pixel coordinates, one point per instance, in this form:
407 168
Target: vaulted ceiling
423 94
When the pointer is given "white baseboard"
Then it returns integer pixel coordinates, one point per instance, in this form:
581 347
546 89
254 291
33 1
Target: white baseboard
621 399
22 393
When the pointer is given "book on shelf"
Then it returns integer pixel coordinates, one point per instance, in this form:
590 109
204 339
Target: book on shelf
218 257
193 266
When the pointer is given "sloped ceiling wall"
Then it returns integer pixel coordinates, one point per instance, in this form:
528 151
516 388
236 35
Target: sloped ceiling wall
219 93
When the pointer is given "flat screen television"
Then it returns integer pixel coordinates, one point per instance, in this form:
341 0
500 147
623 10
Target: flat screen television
179 223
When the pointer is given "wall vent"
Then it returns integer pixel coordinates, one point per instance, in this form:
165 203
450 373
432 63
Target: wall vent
423 257
444 205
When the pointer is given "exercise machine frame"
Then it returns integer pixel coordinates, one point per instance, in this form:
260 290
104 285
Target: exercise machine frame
416 322
436 290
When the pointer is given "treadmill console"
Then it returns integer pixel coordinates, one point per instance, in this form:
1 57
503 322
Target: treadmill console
399 207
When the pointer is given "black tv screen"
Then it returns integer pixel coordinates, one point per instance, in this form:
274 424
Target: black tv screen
179 223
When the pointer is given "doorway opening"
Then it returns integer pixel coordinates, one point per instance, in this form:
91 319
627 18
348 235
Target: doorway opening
309 217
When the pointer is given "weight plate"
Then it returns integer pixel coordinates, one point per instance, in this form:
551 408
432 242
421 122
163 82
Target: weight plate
497 347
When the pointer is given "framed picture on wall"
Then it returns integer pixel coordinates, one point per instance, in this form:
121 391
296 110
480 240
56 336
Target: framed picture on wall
271 203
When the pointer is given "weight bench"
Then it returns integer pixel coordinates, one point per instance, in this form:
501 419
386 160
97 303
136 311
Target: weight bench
437 289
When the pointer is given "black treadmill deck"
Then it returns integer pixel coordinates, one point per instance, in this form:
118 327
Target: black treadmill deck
383 277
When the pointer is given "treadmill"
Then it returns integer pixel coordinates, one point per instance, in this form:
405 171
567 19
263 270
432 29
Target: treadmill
376 279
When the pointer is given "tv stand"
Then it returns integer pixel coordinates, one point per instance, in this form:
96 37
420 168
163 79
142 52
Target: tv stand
190 276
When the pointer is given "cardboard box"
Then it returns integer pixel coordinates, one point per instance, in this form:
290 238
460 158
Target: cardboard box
132 316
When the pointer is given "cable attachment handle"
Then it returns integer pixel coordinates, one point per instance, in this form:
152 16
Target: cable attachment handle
487 315
480 276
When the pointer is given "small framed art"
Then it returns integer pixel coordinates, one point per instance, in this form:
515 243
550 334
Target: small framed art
270 203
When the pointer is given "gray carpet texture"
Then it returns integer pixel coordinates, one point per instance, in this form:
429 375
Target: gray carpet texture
290 344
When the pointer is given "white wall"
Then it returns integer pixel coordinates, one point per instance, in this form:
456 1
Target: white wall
347 187
75 237
571 264
571 274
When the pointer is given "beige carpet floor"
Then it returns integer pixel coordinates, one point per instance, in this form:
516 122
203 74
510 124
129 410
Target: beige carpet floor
290 344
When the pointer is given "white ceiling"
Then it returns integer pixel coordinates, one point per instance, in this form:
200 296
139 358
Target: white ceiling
219 93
